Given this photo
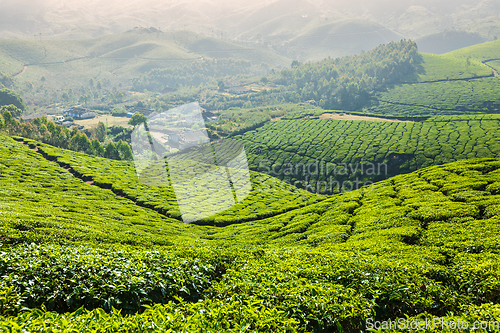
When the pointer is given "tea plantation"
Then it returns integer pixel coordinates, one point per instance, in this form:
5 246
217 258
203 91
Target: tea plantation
460 82
324 154
268 197
77 256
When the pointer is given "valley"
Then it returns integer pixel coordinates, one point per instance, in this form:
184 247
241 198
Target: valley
261 182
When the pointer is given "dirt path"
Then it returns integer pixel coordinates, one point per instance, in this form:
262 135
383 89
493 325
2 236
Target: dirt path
71 171
336 116
21 72
495 72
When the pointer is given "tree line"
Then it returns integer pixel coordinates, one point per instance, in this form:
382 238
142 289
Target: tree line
43 130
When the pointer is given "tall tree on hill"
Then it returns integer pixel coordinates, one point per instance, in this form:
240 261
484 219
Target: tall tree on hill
124 150
137 119
97 148
8 97
101 131
6 80
111 152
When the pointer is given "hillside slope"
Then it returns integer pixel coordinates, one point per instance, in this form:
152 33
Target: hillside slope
423 244
462 81
118 57
268 195
341 38
324 155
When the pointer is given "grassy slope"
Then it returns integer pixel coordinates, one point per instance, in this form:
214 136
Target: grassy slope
481 52
418 243
341 38
81 212
445 67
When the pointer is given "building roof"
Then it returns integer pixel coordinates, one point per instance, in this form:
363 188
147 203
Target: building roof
78 110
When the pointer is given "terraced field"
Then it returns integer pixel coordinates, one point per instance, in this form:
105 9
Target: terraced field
459 82
29 184
443 67
88 245
481 52
323 155
78 257
268 197
442 98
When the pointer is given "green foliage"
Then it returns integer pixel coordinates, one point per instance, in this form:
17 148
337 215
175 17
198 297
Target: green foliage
192 74
448 97
268 196
345 83
95 278
5 80
60 136
137 119
86 246
8 97
101 131
442 67
326 154
481 52
78 257
111 152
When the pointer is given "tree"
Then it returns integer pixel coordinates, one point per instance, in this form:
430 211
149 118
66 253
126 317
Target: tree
6 80
111 152
119 97
124 150
97 148
137 119
8 97
220 83
14 111
101 131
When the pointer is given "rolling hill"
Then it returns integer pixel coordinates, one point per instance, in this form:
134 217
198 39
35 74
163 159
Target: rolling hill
485 52
328 156
340 38
86 244
422 244
119 57
392 79
462 81
448 41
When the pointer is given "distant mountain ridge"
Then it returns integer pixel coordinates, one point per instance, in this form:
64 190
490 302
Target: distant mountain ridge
265 21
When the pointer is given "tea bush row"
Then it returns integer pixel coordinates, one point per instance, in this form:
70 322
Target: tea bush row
320 153
268 195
